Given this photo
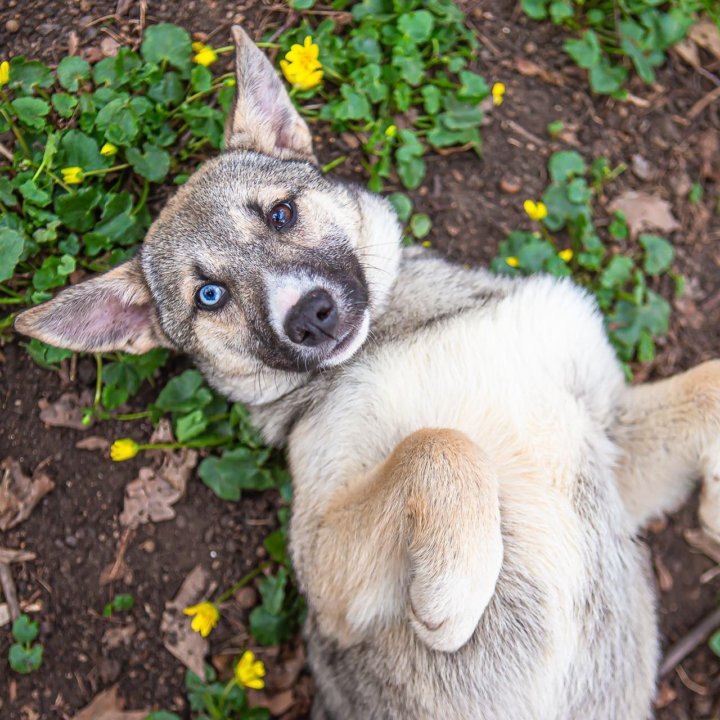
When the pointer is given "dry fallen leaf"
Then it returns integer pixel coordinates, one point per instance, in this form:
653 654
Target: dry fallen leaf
277 704
188 646
705 33
4 614
688 51
177 467
645 212
709 150
148 498
94 442
528 68
115 636
108 706
19 494
66 411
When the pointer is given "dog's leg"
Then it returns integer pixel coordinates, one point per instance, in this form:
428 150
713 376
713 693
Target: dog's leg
419 539
669 432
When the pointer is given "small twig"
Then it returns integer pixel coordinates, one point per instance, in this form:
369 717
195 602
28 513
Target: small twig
8 587
689 683
4 151
683 647
119 564
8 556
701 104
520 130
709 575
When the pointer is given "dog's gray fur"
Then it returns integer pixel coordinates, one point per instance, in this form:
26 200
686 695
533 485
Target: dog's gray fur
469 467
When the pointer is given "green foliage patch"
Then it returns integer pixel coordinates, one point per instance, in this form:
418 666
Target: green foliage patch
619 278
613 37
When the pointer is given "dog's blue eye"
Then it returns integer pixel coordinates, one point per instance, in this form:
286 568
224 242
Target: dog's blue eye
282 215
211 296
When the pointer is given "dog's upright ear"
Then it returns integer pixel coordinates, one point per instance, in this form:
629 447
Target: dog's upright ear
111 312
263 117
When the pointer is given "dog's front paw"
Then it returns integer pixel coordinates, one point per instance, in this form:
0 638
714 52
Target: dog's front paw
455 545
445 608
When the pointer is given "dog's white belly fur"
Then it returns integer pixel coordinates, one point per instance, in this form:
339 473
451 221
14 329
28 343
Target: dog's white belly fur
532 380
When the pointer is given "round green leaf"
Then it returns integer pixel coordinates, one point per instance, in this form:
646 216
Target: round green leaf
167 42
71 70
153 163
11 247
24 630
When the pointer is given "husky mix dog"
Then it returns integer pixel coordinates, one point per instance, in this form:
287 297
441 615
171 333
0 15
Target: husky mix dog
470 469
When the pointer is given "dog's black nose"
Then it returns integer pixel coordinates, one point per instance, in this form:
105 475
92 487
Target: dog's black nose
312 321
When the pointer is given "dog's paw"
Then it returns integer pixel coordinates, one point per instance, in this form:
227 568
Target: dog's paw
445 608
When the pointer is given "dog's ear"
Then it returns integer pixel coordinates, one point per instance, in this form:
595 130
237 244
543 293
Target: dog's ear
263 117
113 311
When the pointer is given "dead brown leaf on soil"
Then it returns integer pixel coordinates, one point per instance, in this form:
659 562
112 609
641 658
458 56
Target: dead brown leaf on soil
277 704
645 212
528 68
116 636
188 646
706 35
709 150
108 706
19 493
67 411
148 498
94 442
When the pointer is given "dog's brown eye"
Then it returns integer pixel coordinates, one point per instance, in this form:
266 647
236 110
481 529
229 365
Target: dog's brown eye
282 216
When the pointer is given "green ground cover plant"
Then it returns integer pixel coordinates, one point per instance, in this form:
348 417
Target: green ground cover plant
617 271
610 38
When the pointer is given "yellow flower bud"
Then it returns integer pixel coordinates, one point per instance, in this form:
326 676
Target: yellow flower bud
72 175
512 262
124 449
205 617
566 255
498 93
391 131
4 73
250 672
535 210
206 56
108 149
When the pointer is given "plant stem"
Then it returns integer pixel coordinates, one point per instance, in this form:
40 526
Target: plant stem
243 581
98 380
334 163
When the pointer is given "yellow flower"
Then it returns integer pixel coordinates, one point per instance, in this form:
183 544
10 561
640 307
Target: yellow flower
512 261
124 449
391 131
535 210
204 54
426 244
205 617
301 66
4 72
250 672
72 175
108 149
498 92
566 255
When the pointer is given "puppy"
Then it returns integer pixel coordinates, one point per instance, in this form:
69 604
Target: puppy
469 466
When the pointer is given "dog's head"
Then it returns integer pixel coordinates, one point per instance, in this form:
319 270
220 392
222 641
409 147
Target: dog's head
261 268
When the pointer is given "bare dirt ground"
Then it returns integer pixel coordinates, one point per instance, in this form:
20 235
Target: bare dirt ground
75 531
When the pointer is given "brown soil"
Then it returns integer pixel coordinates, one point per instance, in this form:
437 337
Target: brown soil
75 530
